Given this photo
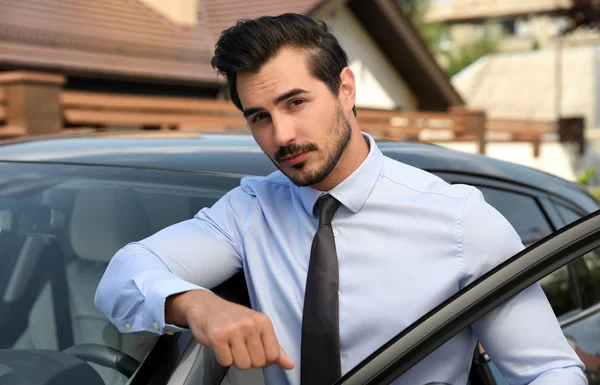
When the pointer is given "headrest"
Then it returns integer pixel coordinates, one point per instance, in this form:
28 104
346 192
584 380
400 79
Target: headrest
104 220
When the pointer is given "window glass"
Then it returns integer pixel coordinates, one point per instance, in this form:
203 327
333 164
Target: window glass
59 227
587 269
558 289
522 211
568 214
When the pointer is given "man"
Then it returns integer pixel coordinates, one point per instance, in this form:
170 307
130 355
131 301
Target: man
342 248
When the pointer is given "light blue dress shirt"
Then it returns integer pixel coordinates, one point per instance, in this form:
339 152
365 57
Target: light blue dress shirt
406 241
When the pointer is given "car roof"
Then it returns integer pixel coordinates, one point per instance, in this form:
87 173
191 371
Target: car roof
240 155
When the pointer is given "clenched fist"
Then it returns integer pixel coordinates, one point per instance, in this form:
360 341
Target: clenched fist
239 336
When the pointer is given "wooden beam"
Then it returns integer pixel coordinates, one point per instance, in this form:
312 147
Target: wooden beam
127 118
11 131
115 102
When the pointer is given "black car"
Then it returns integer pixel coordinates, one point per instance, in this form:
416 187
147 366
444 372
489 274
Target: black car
68 203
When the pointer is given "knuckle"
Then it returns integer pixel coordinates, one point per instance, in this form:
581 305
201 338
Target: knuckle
219 336
272 356
243 364
259 363
264 321
224 359
248 325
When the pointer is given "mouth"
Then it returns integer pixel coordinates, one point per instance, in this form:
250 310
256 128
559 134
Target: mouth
294 159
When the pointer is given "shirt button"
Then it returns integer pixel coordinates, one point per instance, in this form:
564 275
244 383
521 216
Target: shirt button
127 326
335 233
156 326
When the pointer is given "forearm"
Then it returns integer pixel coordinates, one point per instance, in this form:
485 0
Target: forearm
134 289
571 375
177 305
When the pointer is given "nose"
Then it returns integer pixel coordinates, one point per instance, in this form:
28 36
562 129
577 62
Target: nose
284 130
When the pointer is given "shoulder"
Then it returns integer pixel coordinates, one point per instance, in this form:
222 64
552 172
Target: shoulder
398 175
258 186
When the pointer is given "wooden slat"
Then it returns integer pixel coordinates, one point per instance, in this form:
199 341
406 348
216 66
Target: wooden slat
517 125
142 103
371 114
11 131
92 117
2 113
2 96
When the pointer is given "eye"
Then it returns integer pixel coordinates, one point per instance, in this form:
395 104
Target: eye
259 116
296 102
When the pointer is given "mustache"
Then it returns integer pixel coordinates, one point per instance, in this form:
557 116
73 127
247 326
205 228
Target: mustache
293 149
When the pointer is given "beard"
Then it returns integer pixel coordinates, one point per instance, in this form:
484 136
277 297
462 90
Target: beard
340 133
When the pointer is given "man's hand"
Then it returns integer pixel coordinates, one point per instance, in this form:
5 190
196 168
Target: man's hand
238 335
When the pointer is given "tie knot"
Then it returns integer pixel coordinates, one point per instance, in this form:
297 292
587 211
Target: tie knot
326 207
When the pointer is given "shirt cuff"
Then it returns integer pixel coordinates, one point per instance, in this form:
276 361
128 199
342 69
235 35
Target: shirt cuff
155 303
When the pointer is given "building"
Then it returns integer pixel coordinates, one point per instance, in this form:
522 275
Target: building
516 25
163 47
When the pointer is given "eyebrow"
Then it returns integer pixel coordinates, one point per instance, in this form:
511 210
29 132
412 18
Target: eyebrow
291 93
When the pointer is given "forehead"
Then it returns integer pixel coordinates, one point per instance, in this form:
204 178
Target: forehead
286 70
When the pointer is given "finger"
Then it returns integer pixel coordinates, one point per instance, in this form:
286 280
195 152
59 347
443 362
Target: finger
241 358
257 353
223 355
284 361
270 346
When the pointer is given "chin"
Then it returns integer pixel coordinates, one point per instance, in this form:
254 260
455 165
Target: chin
305 177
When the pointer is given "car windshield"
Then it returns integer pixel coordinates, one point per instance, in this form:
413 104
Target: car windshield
59 227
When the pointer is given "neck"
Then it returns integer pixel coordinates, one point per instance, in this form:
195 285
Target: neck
355 154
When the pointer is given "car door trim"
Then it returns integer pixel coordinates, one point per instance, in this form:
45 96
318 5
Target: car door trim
500 284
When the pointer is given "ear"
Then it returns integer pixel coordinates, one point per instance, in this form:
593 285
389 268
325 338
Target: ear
347 93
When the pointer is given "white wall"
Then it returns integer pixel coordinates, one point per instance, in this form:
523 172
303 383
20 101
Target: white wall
179 11
377 81
554 157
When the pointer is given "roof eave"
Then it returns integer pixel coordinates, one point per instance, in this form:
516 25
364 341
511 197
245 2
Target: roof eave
408 53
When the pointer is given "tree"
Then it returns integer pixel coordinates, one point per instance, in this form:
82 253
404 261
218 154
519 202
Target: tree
469 54
432 34
582 13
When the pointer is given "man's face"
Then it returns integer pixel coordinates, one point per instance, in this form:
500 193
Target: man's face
294 117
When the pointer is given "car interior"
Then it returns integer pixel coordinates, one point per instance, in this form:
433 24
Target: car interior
55 257
56 246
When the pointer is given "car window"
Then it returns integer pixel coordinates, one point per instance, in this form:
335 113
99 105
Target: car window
587 269
568 215
498 309
559 291
522 211
59 227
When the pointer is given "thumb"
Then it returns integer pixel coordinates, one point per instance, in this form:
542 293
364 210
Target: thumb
284 361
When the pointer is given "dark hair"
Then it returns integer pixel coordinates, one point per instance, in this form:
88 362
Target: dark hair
249 44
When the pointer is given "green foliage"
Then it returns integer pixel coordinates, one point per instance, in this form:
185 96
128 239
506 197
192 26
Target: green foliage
469 54
586 176
432 33
595 192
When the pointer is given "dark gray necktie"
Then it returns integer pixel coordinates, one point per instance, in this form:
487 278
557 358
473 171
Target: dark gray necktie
320 348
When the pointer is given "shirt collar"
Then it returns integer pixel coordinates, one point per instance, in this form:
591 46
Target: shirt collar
353 191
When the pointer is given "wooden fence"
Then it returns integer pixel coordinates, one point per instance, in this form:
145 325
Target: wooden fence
75 110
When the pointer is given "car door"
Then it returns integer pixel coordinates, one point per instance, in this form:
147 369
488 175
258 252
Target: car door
533 264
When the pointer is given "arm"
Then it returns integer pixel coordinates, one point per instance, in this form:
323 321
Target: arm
195 254
522 336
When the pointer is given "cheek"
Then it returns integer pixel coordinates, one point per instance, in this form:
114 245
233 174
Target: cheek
264 141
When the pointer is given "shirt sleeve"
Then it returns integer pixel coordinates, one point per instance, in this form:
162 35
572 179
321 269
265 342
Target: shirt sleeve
199 253
522 336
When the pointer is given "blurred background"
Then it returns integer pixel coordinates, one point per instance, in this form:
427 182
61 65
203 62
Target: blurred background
513 79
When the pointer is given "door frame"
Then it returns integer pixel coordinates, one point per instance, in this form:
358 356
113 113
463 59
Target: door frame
486 293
